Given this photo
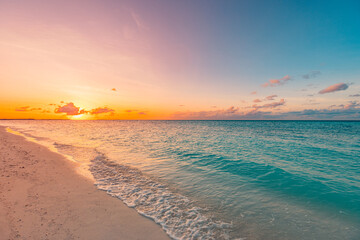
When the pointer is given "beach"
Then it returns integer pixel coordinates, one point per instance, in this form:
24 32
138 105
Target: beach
142 179
42 197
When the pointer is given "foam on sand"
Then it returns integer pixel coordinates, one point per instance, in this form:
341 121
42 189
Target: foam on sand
175 213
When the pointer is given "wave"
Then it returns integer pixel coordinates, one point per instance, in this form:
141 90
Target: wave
175 213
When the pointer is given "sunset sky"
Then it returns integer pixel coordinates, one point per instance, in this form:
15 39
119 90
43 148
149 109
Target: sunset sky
112 59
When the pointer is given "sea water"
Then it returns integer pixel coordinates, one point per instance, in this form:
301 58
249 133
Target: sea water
221 179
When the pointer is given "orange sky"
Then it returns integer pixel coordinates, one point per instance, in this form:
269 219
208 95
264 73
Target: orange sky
131 60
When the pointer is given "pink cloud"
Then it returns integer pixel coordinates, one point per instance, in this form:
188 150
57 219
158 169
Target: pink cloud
22 109
26 109
232 109
351 104
69 109
253 93
334 88
270 105
277 82
271 97
101 110
268 98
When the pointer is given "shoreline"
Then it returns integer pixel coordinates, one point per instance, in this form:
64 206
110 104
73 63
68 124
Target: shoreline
42 197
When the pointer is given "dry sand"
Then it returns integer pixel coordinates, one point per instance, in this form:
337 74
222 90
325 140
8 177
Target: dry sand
42 197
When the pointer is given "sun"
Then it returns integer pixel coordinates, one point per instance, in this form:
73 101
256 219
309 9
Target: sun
78 117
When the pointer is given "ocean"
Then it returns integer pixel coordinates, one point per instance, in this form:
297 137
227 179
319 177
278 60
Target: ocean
220 179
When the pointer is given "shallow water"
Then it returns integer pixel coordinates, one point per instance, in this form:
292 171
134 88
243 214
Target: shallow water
222 179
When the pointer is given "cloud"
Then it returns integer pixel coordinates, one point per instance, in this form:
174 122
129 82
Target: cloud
277 82
351 105
268 98
69 109
138 20
253 93
142 113
271 97
100 110
270 105
232 109
355 95
325 114
334 88
27 109
312 74
113 89
23 109
348 111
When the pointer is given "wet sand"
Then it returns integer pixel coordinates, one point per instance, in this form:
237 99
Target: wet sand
42 197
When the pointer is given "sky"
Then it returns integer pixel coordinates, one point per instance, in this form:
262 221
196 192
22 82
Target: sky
167 59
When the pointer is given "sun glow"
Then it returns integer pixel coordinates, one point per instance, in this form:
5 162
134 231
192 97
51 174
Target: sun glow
78 117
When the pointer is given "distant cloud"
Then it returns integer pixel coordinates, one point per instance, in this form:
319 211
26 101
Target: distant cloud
276 82
334 88
113 89
138 20
270 105
331 113
27 109
130 110
142 113
351 110
253 93
229 113
312 74
22 109
100 110
268 98
181 105
232 109
351 105
355 95
271 97
69 109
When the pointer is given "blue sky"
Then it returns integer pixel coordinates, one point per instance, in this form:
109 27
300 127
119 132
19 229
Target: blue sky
182 59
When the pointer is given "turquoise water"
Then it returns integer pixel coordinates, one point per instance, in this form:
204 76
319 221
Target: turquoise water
222 179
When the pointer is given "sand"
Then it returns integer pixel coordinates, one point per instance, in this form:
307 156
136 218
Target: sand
42 197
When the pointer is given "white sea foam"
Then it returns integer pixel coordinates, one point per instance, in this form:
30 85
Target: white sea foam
175 213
